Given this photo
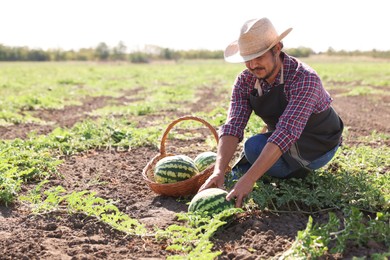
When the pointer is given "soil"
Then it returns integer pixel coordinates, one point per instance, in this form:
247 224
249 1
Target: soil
117 175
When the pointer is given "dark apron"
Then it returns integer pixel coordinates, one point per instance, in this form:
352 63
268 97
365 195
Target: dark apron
321 134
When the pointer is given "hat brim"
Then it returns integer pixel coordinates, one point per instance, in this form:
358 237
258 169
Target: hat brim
232 51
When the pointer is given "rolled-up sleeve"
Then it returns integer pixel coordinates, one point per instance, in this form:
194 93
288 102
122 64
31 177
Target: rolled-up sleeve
239 109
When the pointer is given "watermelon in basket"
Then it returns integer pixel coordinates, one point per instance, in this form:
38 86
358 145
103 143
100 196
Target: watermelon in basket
173 182
204 160
174 168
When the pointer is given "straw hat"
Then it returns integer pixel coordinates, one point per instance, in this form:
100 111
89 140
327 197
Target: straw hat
257 36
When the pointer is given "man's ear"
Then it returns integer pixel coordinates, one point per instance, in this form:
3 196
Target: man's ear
278 47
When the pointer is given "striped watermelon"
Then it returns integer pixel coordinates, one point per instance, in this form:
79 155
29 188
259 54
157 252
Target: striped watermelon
204 160
174 168
210 201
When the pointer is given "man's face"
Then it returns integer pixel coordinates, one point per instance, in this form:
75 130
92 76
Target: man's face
264 66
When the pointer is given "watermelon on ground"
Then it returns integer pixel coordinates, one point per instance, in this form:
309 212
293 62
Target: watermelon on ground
211 201
204 160
174 168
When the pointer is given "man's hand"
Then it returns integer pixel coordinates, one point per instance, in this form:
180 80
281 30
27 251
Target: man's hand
216 180
226 148
241 190
270 154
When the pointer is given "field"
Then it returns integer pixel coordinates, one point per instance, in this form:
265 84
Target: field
75 137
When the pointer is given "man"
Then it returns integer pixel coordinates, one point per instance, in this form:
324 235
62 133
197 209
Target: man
304 132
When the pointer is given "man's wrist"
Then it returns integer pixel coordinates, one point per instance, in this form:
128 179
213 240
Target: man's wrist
251 177
219 173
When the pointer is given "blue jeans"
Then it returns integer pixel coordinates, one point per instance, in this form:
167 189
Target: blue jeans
281 169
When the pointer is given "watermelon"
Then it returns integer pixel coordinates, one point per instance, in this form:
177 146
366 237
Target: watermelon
204 160
174 168
210 201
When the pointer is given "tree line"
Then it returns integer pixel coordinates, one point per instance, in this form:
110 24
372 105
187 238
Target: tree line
103 52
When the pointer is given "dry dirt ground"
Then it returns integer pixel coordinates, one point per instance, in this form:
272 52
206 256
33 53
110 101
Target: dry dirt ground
258 235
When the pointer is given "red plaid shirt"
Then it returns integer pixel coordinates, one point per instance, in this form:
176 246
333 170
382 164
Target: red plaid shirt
305 95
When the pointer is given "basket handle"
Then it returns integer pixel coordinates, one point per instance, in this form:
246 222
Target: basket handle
173 123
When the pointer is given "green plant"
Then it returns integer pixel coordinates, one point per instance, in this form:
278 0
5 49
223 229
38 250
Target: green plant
315 240
356 177
85 202
193 239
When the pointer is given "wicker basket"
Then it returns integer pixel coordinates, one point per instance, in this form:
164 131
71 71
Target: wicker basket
181 188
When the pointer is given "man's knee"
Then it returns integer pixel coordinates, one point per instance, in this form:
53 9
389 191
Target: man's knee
253 147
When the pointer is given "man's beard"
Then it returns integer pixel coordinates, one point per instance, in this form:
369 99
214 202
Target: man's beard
268 75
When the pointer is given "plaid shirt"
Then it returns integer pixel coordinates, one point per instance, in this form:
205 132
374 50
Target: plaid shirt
304 93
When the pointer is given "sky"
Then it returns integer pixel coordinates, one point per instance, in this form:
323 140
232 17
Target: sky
183 25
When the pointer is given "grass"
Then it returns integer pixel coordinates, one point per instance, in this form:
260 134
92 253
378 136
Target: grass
371 72
356 182
26 87
364 90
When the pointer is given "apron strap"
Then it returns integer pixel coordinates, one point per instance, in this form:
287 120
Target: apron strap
257 83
